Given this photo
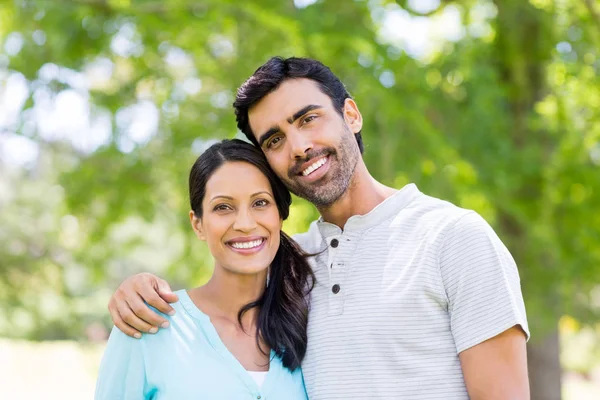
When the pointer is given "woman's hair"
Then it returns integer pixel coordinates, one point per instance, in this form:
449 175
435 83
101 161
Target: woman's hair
283 307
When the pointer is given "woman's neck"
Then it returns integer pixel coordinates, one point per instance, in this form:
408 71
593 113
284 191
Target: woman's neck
226 293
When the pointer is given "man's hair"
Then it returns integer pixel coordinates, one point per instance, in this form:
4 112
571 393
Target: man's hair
273 73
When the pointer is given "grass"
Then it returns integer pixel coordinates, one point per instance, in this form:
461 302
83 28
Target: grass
67 370
48 370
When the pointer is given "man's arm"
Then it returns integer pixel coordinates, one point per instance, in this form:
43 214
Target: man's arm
486 308
128 308
497 367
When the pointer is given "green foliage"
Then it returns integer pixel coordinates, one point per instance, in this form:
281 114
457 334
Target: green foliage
503 118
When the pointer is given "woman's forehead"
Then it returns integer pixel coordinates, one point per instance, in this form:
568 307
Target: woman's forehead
237 178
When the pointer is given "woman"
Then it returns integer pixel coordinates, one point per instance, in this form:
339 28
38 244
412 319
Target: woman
243 334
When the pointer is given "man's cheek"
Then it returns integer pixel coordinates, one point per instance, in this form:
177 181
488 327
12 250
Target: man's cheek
280 168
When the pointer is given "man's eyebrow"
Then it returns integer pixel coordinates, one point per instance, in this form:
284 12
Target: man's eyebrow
303 111
265 136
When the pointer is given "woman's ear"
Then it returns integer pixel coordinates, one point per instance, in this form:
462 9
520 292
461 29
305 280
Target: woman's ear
197 225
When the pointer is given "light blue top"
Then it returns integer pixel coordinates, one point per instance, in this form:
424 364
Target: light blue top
188 360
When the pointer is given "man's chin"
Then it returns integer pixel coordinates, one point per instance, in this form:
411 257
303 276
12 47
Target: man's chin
318 199
305 191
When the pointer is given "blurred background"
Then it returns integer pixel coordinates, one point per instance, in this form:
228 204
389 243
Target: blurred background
105 104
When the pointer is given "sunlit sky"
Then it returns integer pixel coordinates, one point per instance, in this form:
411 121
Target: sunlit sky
68 116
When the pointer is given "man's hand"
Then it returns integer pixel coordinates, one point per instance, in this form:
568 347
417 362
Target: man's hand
497 368
127 308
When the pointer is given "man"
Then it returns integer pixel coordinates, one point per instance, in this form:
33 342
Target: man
415 298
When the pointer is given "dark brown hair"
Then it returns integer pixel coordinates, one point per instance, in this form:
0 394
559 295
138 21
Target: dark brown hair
271 74
283 307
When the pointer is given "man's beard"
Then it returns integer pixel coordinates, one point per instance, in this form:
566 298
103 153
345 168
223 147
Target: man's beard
326 191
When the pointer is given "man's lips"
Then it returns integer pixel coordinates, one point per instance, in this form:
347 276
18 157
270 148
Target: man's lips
313 166
298 169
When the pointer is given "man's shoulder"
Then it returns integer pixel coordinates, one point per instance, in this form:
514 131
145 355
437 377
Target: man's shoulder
311 239
452 222
433 211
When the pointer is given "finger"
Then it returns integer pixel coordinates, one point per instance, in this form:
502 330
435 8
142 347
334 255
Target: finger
113 310
164 290
140 316
152 297
124 327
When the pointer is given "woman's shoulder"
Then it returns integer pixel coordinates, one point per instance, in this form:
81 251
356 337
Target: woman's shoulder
180 320
178 306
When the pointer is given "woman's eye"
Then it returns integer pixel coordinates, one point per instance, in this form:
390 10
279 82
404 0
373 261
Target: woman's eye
221 207
261 203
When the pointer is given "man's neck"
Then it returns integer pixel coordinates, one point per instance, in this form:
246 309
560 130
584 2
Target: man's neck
363 194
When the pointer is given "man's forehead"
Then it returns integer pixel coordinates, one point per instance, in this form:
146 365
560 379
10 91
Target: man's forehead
288 98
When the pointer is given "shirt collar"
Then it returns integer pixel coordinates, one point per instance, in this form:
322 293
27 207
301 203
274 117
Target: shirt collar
387 208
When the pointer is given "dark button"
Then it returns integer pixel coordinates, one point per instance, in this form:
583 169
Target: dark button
334 243
335 288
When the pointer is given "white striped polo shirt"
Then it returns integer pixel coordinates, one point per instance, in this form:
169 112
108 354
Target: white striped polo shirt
400 292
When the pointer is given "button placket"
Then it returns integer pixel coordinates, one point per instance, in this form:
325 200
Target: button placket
334 249
340 270
331 255
337 273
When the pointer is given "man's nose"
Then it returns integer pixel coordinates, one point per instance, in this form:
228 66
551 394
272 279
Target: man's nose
300 144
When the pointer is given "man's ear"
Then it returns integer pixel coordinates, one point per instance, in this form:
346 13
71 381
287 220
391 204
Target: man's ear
197 225
352 116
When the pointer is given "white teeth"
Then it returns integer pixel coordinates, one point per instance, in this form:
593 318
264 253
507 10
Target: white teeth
247 245
314 166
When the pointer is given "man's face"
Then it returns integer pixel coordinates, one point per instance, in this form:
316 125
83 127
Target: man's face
309 145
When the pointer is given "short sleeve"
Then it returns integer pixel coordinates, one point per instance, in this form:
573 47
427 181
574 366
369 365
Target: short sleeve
481 281
122 374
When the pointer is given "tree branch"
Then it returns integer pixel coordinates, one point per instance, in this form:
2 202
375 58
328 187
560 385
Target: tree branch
156 7
594 13
404 5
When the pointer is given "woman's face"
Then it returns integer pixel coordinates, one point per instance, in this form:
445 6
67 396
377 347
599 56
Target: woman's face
240 220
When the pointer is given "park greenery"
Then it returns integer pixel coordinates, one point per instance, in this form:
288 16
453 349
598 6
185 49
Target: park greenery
105 104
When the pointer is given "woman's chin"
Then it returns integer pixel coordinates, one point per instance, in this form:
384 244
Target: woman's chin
249 270
251 266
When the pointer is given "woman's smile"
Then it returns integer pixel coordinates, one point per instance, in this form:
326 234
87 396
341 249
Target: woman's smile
247 245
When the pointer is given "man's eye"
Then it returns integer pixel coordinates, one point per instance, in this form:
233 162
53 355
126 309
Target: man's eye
273 142
308 119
